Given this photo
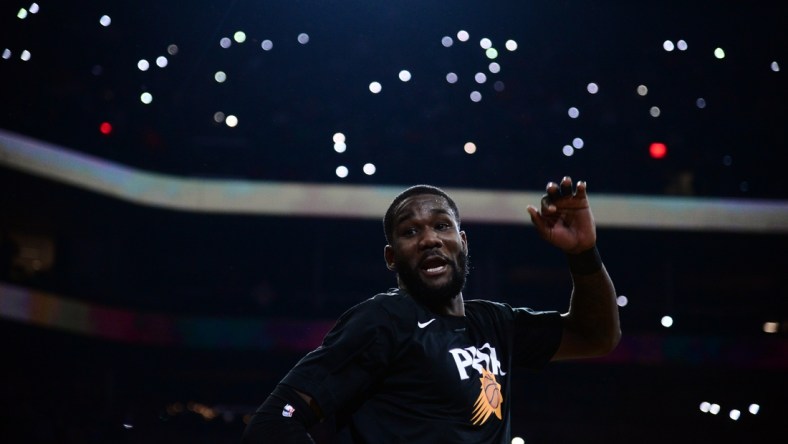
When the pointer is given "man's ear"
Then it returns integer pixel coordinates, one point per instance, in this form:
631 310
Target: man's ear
464 239
388 255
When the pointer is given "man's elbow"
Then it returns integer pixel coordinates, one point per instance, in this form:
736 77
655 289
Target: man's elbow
610 342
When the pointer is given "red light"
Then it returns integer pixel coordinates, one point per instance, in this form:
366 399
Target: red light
105 128
658 150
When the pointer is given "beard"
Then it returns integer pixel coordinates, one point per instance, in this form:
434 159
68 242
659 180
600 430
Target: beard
430 295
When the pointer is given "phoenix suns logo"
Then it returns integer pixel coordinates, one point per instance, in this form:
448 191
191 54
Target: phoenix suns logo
489 400
485 361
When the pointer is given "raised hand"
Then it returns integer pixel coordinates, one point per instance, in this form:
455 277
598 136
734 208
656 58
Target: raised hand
565 219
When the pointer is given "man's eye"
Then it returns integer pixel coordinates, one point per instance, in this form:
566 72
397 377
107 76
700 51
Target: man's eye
408 232
442 226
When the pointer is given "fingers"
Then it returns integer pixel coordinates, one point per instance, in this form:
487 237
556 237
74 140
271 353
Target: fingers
562 194
564 188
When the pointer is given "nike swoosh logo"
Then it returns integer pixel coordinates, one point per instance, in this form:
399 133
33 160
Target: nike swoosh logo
424 324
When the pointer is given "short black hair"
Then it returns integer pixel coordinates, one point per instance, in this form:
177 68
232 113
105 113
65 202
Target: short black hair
388 219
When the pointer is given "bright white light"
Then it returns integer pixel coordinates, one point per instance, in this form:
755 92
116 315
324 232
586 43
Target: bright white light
143 65
498 86
771 327
6 53
511 45
225 42
568 150
451 77
754 409
485 43
267 45
340 147
491 53
518 440
369 169
239 36
642 90
654 111
700 103
342 171
480 77
735 414
161 61
494 68
592 88
469 147
705 407
128 426
338 137
578 143
220 76
22 13
719 53
463 36
303 38
666 321
218 117
447 41
622 301
682 45
573 112
404 75
34 8
667 45
231 121
775 67
25 55
172 49
105 20
476 96
714 409
146 98
375 87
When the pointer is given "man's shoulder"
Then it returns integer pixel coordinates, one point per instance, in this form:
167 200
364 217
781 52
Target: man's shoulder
394 301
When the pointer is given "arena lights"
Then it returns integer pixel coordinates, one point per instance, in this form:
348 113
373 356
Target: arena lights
342 171
592 88
369 169
105 20
339 142
105 128
734 414
622 301
375 87
469 147
447 41
771 327
658 150
666 321
267 45
573 112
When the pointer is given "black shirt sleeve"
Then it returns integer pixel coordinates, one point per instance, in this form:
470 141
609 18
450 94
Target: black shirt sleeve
351 358
537 335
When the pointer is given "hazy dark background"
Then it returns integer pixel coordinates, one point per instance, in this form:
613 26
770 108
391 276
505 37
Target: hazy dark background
720 287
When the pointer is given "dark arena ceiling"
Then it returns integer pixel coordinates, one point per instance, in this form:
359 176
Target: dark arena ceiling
191 194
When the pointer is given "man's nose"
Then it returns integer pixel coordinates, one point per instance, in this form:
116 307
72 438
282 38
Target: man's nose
430 239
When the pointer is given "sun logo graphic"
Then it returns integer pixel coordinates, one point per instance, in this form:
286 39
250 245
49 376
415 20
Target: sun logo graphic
489 400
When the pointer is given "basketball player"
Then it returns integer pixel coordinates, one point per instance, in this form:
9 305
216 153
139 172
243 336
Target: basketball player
419 364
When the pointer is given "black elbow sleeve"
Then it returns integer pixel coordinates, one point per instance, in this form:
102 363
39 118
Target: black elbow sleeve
283 418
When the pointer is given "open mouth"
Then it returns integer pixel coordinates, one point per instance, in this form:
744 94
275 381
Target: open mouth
434 265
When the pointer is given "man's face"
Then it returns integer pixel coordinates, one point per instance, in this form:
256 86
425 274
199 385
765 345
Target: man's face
428 251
